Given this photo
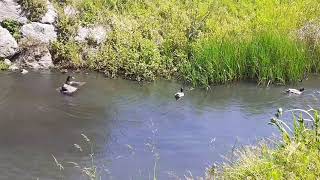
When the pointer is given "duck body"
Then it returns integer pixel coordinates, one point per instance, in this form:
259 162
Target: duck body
295 91
67 89
74 83
179 95
23 71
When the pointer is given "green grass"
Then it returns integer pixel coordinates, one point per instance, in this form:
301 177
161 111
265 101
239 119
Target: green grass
265 58
295 157
3 66
201 42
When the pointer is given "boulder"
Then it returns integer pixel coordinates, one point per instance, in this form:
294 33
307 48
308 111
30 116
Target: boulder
51 15
7 62
44 33
309 32
70 11
13 67
8 45
34 54
97 34
10 9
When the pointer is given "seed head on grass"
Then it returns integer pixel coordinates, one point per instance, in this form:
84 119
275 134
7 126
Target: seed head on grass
85 137
59 165
78 147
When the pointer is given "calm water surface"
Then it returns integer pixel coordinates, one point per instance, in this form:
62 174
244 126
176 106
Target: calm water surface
124 119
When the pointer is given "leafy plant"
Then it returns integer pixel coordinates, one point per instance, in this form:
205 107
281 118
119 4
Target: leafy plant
13 27
34 9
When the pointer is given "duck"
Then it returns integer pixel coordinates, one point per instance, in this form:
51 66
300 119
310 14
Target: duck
67 89
179 95
23 71
295 91
73 83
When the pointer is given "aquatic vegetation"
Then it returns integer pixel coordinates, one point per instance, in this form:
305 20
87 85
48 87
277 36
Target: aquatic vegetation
3 66
295 157
266 58
200 42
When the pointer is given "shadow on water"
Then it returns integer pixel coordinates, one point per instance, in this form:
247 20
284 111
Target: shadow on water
122 118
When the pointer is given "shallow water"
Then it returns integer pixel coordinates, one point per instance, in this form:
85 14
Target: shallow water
124 119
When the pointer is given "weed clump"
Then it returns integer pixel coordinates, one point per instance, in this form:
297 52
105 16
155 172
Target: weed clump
34 9
295 157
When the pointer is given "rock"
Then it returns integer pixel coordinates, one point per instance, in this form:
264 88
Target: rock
42 32
8 45
97 34
10 9
7 62
13 67
34 54
70 11
82 35
309 32
51 15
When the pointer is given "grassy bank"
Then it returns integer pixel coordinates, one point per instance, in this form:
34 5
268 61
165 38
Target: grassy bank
201 42
295 157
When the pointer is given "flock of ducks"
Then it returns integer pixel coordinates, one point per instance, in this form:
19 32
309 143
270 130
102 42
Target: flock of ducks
70 87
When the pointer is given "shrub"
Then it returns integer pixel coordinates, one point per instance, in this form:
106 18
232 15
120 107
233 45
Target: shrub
295 157
34 9
13 27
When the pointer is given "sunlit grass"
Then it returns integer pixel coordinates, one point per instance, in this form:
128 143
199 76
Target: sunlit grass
266 58
201 42
295 157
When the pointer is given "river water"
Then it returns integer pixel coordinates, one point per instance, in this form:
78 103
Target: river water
130 125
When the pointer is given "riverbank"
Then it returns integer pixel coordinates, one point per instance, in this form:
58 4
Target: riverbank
294 157
200 43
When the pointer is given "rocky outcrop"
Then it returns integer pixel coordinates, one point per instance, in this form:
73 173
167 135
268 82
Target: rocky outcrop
10 9
34 54
8 45
96 34
51 15
70 11
310 32
44 33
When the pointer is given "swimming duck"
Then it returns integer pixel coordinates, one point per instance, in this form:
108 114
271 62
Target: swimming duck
67 89
73 83
23 71
295 91
179 95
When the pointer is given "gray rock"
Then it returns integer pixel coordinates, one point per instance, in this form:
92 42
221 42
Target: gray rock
7 62
42 32
70 11
98 34
309 32
8 45
51 15
13 67
10 9
34 54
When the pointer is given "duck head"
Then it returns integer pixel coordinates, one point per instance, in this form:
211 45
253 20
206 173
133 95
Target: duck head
301 89
181 90
69 78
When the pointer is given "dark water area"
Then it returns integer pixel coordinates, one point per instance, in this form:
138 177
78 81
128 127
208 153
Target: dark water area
130 125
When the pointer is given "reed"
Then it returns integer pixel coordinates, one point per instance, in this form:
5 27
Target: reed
265 58
200 42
